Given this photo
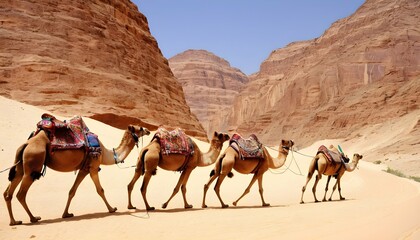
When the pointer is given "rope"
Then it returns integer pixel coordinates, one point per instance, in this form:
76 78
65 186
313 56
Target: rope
4 170
138 152
288 167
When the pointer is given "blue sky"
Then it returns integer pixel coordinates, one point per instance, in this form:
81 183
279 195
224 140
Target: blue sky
242 32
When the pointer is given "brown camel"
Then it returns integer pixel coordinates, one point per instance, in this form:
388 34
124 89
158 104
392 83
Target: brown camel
231 160
31 157
321 164
150 158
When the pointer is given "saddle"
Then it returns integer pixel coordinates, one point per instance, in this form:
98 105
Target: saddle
71 134
247 148
332 156
174 142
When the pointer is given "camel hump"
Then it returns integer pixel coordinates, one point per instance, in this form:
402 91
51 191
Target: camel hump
332 156
250 147
174 142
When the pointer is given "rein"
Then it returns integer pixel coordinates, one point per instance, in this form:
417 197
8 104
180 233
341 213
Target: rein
288 167
136 141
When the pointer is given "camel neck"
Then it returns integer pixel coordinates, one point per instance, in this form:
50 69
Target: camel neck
350 167
118 154
210 156
277 162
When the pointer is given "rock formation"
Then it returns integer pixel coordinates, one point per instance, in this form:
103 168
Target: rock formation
93 58
209 84
364 70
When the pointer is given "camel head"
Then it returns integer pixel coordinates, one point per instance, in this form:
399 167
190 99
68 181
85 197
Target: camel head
137 131
286 145
357 157
218 139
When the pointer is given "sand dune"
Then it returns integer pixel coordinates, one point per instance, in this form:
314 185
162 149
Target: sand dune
377 206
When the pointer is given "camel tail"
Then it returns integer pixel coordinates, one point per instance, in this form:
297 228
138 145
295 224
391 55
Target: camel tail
18 161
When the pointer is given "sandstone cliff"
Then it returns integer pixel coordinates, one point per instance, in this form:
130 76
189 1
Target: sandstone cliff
92 58
363 71
209 84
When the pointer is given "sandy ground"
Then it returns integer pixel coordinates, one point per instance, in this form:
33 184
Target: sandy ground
377 206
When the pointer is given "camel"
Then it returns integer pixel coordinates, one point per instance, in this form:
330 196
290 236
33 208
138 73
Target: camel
321 164
150 158
33 155
230 159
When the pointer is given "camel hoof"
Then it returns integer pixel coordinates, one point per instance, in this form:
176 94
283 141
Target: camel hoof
330 199
150 208
113 210
343 198
234 203
68 215
13 223
204 206
302 202
324 200
225 206
266 205
35 219
188 206
316 201
164 205
131 207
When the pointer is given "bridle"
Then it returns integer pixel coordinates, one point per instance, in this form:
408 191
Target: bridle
136 142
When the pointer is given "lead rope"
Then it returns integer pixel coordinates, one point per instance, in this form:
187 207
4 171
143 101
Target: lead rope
288 167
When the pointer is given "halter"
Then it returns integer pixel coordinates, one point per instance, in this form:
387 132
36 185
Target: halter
136 142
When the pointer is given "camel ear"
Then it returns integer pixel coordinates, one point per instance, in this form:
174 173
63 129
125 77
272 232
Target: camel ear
131 128
227 137
361 156
216 134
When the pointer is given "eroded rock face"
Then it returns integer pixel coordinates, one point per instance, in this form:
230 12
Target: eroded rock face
209 84
92 58
364 70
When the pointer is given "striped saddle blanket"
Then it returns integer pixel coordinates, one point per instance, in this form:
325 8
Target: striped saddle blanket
247 148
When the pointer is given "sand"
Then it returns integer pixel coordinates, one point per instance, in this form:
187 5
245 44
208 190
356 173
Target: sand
378 205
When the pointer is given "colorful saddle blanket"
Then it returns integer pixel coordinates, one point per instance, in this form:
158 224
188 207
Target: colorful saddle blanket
174 142
71 134
332 156
247 148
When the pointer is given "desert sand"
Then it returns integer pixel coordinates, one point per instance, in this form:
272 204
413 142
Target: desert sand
378 205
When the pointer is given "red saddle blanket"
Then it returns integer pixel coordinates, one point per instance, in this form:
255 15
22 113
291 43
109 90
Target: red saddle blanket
247 148
331 155
71 134
174 142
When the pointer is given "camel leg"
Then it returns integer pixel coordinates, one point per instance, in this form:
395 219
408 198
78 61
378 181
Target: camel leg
184 188
95 178
8 194
261 190
176 189
143 189
317 178
247 190
80 176
206 187
326 188
339 189
308 178
217 189
21 196
311 171
130 187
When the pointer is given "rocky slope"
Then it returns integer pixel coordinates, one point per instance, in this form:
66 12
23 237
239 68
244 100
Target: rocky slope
363 71
209 84
92 58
